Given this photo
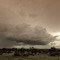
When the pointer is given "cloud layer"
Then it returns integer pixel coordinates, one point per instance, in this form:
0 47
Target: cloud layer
24 33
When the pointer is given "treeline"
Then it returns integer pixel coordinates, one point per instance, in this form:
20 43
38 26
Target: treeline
31 51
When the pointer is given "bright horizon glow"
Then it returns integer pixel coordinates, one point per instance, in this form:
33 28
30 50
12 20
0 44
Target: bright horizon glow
56 42
55 34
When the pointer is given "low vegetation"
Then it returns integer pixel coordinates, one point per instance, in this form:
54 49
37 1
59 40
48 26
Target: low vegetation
29 54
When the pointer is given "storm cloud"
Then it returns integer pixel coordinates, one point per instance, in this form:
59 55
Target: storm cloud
24 33
24 21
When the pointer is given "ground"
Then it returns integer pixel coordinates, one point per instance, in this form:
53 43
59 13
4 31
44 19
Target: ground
36 57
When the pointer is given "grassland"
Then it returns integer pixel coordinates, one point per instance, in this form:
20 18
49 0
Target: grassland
35 57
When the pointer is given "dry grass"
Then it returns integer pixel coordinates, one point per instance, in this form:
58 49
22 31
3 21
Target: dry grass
36 57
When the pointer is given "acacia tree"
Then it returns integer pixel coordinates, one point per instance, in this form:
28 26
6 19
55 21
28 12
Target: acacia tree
16 53
53 51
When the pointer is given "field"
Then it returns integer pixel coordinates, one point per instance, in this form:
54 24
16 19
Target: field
35 57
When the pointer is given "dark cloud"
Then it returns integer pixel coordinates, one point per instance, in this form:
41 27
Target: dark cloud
12 35
28 42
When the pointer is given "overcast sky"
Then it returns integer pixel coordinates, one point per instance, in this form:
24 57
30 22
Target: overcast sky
43 13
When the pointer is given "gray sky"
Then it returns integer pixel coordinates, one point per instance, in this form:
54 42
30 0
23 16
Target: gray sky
45 13
34 12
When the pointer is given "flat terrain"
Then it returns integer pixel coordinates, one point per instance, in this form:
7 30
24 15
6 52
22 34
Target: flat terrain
35 57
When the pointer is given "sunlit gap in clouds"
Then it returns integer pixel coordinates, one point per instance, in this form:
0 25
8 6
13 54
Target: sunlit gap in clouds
56 43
